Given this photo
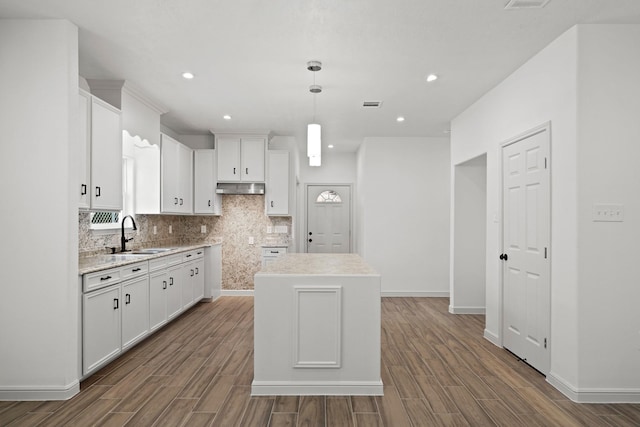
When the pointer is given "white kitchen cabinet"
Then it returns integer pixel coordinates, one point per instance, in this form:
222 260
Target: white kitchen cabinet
176 176
101 154
241 159
271 254
101 335
135 310
277 185
205 199
158 285
174 291
84 149
193 278
198 281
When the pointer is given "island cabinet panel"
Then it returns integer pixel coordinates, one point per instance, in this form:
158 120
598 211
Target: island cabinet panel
317 327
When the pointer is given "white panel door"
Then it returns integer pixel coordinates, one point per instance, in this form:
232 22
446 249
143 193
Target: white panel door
106 157
526 237
252 159
328 219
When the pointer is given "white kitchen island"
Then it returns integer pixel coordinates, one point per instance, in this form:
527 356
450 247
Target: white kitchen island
317 327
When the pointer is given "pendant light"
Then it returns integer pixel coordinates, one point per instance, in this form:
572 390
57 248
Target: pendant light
314 140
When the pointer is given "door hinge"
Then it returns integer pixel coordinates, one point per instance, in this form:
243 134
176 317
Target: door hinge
545 343
545 253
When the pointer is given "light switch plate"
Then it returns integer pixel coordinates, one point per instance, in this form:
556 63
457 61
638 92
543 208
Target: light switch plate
281 229
608 212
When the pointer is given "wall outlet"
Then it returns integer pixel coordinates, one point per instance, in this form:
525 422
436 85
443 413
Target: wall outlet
281 229
155 229
203 229
251 240
608 212
269 229
170 229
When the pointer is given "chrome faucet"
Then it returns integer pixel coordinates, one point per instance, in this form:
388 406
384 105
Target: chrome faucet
123 240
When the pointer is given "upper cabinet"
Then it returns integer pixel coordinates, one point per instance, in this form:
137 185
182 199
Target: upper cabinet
205 199
163 176
101 154
177 176
277 185
241 158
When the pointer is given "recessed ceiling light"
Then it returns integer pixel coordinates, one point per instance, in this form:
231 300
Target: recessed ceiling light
330 145
187 75
226 117
400 119
432 78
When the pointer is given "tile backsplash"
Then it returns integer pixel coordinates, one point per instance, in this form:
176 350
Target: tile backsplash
242 217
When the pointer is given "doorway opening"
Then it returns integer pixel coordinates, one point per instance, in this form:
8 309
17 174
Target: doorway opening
469 254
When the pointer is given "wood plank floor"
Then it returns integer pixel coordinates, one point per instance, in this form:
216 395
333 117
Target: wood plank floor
436 367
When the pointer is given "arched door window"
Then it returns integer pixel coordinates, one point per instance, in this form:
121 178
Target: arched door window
329 196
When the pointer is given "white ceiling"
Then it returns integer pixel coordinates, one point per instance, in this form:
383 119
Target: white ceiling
249 57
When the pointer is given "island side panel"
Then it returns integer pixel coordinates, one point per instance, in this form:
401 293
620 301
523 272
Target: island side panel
277 367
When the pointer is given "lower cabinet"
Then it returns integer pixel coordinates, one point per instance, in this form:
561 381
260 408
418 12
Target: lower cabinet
135 311
121 306
101 338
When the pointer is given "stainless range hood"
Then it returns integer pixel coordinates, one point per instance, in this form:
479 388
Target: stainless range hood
240 188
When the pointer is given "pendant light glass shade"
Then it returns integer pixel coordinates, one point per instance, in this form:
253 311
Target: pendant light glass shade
314 145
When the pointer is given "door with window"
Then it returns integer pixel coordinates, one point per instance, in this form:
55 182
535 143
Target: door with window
328 219
526 237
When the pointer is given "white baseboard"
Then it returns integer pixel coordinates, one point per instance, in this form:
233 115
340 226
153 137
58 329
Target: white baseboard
594 395
493 338
466 310
419 294
237 293
40 393
316 388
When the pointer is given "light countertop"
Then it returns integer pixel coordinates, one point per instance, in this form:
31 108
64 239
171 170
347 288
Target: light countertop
318 264
103 262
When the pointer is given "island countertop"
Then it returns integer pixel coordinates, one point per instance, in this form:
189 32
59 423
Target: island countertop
318 264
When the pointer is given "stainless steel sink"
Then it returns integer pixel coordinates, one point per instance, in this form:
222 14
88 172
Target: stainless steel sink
150 251
121 256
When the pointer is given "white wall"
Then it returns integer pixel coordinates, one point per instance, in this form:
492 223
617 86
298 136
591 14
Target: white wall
197 141
39 308
542 90
608 172
585 85
403 212
469 237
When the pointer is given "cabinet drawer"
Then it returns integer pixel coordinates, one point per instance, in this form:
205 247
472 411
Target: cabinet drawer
100 279
174 260
158 263
273 252
133 270
191 255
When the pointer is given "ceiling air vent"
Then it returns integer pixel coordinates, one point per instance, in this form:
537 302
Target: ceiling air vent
526 4
372 104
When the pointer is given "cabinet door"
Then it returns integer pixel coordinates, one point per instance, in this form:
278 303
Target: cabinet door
185 179
106 157
84 150
101 327
174 291
169 175
198 280
189 274
252 160
277 187
158 285
135 310
204 182
228 159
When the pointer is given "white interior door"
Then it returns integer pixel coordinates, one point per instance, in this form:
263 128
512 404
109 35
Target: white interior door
526 237
328 219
